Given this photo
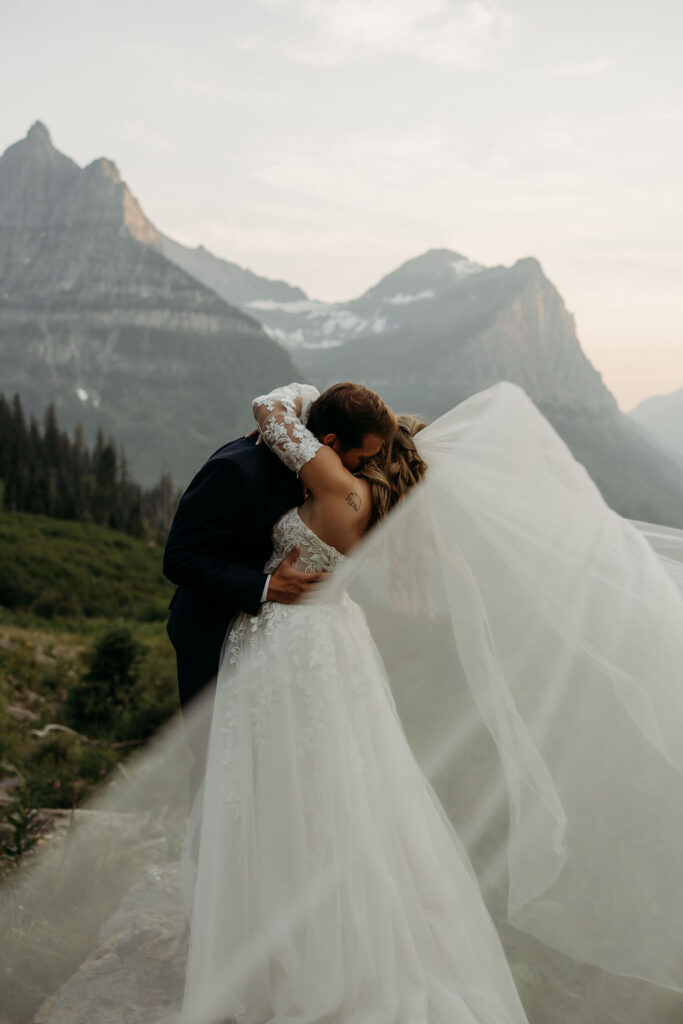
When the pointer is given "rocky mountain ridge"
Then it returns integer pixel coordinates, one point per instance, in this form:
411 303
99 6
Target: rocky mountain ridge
297 321
441 327
94 317
510 323
237 285
442 293
491 324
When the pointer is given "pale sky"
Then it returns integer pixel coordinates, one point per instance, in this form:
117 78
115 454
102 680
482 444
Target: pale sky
327 141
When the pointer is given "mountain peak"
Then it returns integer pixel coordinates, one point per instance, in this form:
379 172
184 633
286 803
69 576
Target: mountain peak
36 176
104 168
440 262
530 263
36 147
39 136
433 272
439 256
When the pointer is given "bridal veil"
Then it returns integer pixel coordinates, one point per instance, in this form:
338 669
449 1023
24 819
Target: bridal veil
557 627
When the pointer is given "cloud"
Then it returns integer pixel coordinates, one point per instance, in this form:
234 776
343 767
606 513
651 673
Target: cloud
338 32
585 69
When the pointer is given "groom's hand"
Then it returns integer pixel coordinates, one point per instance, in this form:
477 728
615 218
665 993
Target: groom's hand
288 585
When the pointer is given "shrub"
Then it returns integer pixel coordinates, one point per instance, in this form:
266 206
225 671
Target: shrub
24 826
115 660
94 703
152 700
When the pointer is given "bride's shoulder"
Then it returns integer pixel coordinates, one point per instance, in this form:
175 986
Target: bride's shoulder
352 500
359 496
341 518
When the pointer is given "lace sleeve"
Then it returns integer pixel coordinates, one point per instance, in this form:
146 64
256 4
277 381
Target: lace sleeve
281 416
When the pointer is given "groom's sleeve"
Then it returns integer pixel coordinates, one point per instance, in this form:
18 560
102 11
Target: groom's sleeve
216 505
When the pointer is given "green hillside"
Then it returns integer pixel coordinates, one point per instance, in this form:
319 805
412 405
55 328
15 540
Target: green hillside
60 569
87 672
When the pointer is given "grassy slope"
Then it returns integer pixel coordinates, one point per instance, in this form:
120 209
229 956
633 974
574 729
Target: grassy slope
55 568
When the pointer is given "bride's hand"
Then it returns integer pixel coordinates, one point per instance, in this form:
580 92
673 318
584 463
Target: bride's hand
288 585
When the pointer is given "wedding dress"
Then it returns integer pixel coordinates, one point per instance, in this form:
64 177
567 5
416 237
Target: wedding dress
330 884
530 640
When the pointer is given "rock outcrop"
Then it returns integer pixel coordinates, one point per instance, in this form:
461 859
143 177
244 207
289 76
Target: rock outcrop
136 971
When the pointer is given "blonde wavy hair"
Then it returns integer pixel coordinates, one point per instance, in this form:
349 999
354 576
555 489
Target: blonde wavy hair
393 472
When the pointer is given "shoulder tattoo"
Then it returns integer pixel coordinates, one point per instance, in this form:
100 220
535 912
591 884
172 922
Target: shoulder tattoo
353 500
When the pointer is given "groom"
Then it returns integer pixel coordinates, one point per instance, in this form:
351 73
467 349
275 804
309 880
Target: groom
220 537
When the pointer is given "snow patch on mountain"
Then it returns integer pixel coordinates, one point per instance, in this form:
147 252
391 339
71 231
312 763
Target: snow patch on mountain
465 268
314 324
299 339
345 322
293 307
84 396
402 300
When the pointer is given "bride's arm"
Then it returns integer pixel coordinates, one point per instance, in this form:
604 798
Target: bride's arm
281 417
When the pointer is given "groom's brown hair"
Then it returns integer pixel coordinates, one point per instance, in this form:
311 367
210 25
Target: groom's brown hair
351 412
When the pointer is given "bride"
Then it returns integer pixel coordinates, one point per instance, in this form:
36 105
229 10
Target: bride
330 884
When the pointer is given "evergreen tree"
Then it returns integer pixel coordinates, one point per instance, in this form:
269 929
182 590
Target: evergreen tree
16 494
45 471
5 426
37 497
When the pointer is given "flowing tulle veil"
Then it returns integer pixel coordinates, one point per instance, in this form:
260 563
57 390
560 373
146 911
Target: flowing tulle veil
533 641
564 622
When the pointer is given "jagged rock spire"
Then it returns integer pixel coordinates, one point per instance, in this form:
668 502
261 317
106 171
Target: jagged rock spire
39 135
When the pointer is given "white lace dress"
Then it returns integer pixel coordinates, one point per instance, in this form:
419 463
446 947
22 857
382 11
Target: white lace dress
329 889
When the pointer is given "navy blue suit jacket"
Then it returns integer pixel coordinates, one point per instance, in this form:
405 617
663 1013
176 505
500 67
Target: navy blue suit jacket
219 542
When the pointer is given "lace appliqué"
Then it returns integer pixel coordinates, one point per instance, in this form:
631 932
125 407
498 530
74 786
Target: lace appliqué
283 428
314 554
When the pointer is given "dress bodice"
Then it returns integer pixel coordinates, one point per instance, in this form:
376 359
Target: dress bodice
314 554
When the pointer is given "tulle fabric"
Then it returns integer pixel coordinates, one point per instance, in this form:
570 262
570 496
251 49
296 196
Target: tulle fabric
567 627
667 542
530 641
